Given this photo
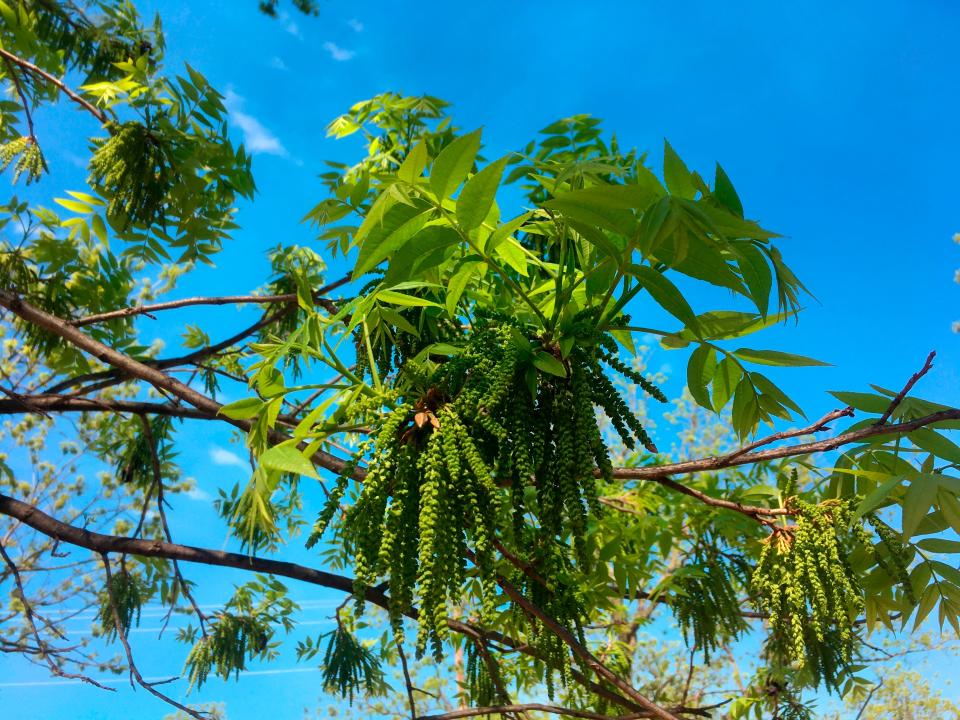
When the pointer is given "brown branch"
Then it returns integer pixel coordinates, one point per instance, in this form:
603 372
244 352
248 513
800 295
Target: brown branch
529 707
194 357
103 544
406 676
221 300
42 404
29 66
134 671
906 388
134 368
818 426
657 473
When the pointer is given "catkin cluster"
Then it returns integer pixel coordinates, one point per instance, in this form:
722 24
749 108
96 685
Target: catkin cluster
804 581
26 151
132 169
481 449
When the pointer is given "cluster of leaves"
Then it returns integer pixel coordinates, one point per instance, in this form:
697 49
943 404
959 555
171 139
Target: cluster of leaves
28 155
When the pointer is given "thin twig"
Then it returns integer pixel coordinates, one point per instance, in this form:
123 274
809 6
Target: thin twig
906 388
220 300
406 679
42 647
134 671
158 481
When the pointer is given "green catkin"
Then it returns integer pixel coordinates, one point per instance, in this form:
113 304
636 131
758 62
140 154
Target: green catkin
132 169
28 155
804 581
472 434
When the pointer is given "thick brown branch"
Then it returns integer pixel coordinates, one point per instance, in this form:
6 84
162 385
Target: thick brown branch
30 67
99 543
41 404
134 368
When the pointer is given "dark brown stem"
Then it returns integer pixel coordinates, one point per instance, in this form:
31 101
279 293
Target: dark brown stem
906 388
21 95
406 679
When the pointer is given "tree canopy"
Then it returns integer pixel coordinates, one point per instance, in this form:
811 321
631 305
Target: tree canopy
470 399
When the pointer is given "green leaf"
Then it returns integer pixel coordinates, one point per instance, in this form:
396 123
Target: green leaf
775 357
927 602
676 174
511 252
379 247
756 275
453 163
242 409
476 198
935 443
413 165
549 364
725 381
919 497
506 230
457 284
700 369
286 458
74 205
877 497
100 229
950 508
939 545
666 294
397 298
865 402
724 192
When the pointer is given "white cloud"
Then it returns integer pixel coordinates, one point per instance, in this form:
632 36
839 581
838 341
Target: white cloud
256 137
196 493
222 456
355 24
338 53
290 26
277 63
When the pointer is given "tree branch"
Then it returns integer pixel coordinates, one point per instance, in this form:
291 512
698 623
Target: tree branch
656 473
906 388
529 707
222 300
29 66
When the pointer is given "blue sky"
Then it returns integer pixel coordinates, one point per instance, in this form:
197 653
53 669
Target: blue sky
837 123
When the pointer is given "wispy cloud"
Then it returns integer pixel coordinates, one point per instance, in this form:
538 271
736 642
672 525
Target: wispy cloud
199 494
355 24
256 137
338 53
277 63
290 26
222 456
